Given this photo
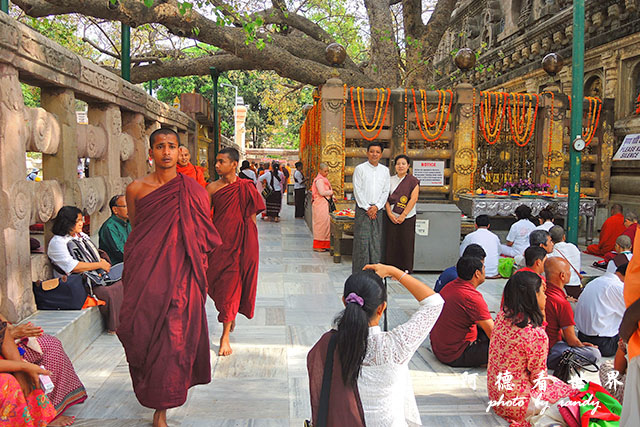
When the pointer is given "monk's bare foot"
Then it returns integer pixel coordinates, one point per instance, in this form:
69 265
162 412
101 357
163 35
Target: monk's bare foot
62 420
160 418
225 346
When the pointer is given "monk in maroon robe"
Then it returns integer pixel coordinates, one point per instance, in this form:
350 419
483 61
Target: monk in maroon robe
163 323
611 229
233 267
186 168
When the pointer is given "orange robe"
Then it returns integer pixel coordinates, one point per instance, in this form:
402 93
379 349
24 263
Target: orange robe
631 294
193 172
611 229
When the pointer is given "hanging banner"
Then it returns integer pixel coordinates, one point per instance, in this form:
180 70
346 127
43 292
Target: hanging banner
429 172
630 148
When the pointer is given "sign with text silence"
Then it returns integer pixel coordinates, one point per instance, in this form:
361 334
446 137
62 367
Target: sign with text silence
630 148
429 172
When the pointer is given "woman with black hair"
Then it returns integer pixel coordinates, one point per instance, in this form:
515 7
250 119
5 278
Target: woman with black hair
68 239
370 379
545 218
517 368
275 179
518 237
401 215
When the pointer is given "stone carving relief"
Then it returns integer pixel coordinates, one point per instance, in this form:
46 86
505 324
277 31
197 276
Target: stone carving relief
134 94
97 77
44 131
8 32
49 53
10 94
41 269
92 141
92 193
332 151
126 147
47 201
20 197
465 161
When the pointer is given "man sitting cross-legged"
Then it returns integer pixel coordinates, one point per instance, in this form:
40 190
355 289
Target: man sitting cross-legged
570 253
488 241
451 274
456 339
559 315
599 311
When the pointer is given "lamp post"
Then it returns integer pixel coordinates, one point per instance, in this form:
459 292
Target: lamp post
575 157
235 103
216 125
125 48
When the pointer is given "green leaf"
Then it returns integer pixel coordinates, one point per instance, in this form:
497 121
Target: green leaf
147 3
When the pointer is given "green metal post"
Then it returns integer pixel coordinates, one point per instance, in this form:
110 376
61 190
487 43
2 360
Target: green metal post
4 6
575 157
216 123
125 60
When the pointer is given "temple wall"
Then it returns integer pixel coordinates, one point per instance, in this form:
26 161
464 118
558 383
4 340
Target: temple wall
120 118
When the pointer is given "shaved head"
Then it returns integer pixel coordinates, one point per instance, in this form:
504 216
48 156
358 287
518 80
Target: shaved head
557 271
184 156
616 208
624 242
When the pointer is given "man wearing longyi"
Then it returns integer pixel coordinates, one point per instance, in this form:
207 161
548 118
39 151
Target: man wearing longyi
163 323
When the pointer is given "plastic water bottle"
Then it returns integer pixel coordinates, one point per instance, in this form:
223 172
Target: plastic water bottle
555 191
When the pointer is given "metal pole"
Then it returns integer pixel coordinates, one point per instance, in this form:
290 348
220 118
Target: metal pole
575 157
216 125
125 60
4 6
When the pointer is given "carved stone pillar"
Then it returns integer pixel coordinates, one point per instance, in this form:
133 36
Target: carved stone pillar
465 153
106 166
332 150
606 136
16 297
551 138
153 126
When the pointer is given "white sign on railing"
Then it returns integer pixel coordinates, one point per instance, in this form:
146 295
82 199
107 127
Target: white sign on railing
630 148
429 172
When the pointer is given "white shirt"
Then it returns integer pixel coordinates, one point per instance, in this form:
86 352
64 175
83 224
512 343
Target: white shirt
250 174
611 266
394 181
572 253
546 226
491 245
298 181
59 254
600 307
371 185
384 384
519 235
277 183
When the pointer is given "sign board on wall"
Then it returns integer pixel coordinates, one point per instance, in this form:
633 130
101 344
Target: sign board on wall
630 148
429 172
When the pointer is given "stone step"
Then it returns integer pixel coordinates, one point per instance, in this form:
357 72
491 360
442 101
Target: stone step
76 329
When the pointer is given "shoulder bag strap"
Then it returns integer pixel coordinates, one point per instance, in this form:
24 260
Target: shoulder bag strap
323 414
574 269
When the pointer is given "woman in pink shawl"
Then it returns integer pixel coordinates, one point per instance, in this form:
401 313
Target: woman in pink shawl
322 192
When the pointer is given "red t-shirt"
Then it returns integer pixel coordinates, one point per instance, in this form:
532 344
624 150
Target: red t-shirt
559 313
456 327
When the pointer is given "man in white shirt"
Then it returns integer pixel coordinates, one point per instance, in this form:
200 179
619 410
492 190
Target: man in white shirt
299 190
622 247
371 183
600 309
488 241
571 254
518 237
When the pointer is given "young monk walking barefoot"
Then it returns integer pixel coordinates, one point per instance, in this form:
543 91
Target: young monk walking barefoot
233 267
163 323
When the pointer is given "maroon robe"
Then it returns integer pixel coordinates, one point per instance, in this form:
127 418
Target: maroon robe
163 323
631 232
233 267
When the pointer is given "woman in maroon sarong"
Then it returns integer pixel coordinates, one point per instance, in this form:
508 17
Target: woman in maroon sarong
401 216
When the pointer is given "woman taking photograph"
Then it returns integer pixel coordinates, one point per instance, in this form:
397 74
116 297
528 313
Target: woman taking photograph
370 379
519 345
322 192
67 230
401 215
274 178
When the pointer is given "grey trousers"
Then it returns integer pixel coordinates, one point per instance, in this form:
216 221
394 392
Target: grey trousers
555 353
367 240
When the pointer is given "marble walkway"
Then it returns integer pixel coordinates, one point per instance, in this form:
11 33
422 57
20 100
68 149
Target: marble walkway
264 383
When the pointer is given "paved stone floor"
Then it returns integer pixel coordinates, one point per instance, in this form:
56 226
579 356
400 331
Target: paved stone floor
264 383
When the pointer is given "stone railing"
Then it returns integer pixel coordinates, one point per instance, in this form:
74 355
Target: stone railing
120 118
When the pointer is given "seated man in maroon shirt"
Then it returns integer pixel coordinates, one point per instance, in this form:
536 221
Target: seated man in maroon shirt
559 315
456 339
535 257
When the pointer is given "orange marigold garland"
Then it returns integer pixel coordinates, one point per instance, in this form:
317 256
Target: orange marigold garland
378 117
344 133
593 117
405 139
473 137
436 129
492 126
524 111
